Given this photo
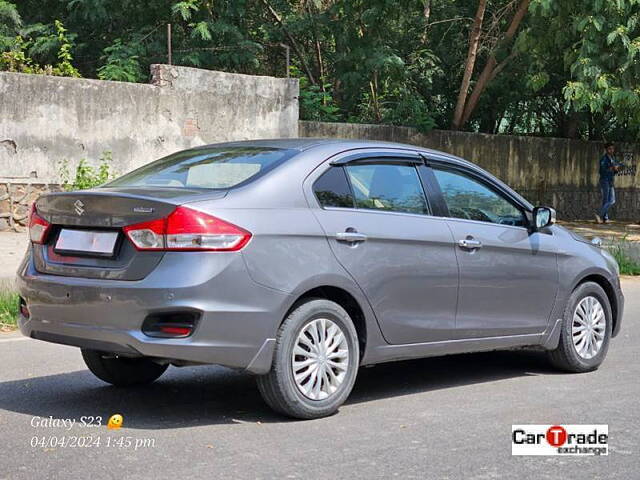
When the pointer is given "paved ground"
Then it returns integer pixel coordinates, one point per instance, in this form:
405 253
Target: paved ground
610 231
444 418
12 248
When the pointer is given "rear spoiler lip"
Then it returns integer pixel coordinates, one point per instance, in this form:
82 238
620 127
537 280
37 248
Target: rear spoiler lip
174 195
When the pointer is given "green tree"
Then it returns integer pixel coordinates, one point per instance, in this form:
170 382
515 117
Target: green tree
10 24
533 67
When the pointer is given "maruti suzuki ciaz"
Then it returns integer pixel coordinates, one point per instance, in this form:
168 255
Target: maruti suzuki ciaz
301 260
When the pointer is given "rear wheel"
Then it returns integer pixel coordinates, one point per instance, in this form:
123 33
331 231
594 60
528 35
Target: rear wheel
122 371
315 361
586 330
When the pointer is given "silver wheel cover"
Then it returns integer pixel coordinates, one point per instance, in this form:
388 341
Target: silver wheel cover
320 359
588 327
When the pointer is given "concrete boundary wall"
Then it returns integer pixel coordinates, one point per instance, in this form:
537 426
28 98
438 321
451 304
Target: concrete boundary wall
45 120
551 171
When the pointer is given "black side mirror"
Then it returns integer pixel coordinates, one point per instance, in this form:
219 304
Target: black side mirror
543 217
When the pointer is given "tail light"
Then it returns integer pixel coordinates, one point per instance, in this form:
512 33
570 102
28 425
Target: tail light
38 226
186 229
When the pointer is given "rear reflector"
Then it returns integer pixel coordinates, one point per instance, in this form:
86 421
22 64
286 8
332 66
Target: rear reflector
24 310
177 324
38 226
178 331
186 229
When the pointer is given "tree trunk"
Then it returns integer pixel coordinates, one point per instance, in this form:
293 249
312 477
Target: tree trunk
292 41
492 68
474 41
571 125
318 48
514 120
426 14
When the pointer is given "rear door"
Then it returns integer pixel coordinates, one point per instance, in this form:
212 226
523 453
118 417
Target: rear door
378 223
508 275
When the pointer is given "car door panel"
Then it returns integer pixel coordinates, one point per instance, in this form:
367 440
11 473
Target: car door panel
406 267
405 263
508 286
508 273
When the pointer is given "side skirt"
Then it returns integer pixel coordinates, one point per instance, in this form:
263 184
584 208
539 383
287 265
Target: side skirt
391 353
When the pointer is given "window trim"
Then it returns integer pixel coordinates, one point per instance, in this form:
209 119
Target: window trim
346 177
410 159
437 204
380 157
434 164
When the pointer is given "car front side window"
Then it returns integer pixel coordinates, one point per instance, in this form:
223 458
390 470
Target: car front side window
469 199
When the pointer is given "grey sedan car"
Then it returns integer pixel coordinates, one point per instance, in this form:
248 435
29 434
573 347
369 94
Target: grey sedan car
301 260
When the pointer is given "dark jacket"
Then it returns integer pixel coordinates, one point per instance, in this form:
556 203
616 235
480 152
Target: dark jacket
606 169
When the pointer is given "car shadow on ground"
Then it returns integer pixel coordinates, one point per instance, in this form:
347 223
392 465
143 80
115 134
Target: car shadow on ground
207 395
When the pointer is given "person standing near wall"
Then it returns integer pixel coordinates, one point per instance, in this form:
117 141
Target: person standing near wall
608 169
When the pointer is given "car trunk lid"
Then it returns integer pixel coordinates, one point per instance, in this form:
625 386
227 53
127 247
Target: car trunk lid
106 210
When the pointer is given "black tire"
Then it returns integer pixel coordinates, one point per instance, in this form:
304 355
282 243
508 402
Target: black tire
278 387
122 371
565 356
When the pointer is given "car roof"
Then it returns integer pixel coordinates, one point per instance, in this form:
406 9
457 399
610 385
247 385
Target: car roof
340 144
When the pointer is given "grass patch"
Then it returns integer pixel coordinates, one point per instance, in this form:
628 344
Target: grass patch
8 309
628 265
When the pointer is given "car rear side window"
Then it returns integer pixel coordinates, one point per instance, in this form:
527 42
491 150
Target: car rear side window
216 168
332 189
390 187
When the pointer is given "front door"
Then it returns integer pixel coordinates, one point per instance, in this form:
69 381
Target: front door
508 276
378 224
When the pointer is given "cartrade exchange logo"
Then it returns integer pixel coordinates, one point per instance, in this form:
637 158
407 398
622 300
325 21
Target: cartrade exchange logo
560 440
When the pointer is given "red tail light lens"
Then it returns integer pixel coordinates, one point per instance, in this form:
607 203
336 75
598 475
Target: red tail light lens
24 310
175 331
186 229
38 226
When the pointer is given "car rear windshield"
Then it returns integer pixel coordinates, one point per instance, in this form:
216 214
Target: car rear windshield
216 168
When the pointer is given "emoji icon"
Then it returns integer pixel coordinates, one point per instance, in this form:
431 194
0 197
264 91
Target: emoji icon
115 422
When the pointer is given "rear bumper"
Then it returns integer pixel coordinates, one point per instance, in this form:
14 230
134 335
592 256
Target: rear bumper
238 323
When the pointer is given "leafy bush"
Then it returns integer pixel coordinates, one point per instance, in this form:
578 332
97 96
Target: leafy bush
17 60
627 264
64 68
10 23
397 107
316 102
121 63
8 307
86 176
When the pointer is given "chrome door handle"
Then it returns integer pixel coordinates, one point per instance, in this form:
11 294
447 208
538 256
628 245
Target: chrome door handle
351 237
469 243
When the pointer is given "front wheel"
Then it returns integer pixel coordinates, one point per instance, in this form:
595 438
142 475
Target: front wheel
122 371
586 330
315 362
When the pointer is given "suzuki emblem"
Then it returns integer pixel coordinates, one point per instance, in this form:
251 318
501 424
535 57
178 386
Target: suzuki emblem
78 207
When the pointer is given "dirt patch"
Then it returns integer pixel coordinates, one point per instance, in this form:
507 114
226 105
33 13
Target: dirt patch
613 230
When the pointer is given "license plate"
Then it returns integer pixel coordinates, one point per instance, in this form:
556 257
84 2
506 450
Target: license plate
88 242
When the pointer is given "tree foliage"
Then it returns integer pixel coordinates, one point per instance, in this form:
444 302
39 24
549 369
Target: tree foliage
562 68
14 59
